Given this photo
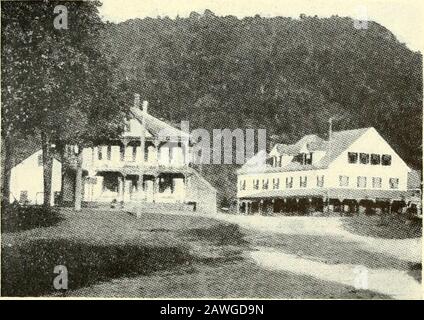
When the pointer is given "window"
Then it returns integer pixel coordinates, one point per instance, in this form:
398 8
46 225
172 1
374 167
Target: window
386 160
256 184
23 197
303 181
243 185
376 182
134 153
394 183
109 152
364 158
303 158
362 182
40 160
99 153
375 159
276 183
320 181
122 152
265 183
289 182
352 157
344 181
308 158
91 180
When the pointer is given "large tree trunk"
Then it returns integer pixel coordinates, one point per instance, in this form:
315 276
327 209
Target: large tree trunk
47 168
7 168
62 173
78 182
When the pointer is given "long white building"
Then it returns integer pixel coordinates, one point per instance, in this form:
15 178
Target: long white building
354 171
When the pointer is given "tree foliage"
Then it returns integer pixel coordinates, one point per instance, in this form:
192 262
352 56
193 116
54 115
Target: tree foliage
56 82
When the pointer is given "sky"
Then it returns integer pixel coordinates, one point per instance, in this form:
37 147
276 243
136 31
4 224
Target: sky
404 18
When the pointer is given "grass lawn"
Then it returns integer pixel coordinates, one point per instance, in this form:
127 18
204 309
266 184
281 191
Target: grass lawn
384 226
111 253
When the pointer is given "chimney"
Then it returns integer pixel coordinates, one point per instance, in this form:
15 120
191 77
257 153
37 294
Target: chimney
145 105
136 100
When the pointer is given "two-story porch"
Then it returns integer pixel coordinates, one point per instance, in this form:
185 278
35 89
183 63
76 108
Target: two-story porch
137 184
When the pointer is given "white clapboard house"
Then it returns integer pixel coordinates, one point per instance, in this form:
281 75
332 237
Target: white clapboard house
26 180
148 165
353 171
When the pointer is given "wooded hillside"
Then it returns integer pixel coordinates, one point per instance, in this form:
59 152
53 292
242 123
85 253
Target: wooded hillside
286 75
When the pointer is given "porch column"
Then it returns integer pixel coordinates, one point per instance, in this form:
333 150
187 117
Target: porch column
341 207
155 187
121 187
186 153
185 187
140 190
156 145
297 206
389 208
325 207
362 208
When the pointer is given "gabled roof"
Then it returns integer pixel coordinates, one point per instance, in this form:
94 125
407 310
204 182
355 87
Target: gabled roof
156 126
311 141
340 141
414 179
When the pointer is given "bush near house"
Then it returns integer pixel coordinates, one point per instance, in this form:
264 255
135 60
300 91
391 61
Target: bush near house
15 217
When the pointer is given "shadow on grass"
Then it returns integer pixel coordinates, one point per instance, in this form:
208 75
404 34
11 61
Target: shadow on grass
384 226
27 270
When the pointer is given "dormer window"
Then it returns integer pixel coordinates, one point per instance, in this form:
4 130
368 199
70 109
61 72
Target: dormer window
308 158
127 127
303 158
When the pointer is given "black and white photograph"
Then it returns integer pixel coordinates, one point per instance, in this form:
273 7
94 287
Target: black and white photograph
212 149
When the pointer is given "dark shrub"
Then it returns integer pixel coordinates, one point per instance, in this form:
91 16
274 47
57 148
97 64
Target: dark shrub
221 234
15 217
